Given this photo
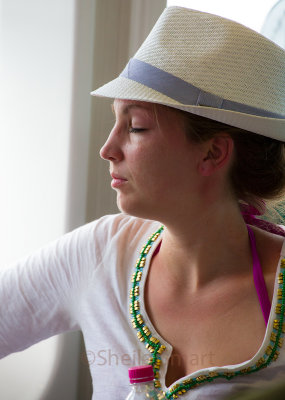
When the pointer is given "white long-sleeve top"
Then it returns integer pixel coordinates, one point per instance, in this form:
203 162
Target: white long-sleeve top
82 281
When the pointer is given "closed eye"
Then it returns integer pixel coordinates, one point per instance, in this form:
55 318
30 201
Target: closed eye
136 130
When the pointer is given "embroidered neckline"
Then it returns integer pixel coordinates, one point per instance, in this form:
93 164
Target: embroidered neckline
155 348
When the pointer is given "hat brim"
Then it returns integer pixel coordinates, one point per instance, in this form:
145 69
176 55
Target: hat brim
124 88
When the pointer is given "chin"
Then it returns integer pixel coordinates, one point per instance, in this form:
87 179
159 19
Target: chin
138 210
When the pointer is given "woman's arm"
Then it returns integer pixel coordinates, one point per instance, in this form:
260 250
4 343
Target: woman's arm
40 295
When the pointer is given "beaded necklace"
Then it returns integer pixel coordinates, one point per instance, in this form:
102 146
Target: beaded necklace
155 348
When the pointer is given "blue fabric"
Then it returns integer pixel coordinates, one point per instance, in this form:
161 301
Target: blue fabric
184 92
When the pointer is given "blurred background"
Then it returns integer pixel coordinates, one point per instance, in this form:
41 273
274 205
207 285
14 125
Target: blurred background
52 54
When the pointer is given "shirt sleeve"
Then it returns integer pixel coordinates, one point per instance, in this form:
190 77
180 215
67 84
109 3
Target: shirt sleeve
39 294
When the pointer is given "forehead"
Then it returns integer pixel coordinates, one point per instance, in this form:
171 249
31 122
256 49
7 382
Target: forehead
126 106
150 110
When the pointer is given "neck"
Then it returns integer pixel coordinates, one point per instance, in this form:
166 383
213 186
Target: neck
213 246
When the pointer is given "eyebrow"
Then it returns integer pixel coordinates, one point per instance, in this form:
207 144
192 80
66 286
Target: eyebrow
128 107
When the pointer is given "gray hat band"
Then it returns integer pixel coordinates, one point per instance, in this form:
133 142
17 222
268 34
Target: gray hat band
184 92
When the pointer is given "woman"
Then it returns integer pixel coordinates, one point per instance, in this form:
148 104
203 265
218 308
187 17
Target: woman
197 145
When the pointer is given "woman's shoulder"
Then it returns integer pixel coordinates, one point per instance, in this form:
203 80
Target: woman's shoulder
269 247
116 226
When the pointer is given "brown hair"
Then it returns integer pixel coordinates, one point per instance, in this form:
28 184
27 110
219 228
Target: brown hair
258 170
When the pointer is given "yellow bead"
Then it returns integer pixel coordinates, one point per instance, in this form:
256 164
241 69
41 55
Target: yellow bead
200 378
229 374
188 381
136 305
140 336
276 324
213 374
280 278
139 275
134 291
260 362
245 370
154 340
268 350
147 249
278 308
161 349
146 330
142 263
155 237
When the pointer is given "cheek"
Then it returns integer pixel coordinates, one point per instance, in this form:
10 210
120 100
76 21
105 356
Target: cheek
160 164
141 158
163 171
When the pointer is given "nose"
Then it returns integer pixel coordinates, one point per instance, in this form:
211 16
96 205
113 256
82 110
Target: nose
111 150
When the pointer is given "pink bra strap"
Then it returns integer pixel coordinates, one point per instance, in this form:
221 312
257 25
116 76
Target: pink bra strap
259 279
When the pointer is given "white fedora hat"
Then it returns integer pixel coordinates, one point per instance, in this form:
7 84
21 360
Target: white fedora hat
209 66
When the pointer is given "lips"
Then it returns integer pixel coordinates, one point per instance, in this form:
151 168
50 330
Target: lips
117 180
116 176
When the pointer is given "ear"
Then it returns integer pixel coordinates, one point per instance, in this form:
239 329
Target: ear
217 154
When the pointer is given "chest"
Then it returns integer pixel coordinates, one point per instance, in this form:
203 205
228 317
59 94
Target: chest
224 327
216 342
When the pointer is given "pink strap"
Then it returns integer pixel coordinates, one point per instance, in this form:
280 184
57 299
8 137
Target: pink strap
250 215
259 279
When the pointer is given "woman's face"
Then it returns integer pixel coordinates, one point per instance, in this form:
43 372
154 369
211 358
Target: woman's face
152 163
